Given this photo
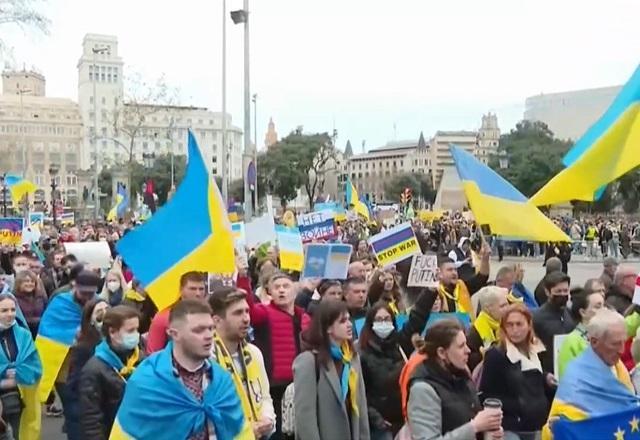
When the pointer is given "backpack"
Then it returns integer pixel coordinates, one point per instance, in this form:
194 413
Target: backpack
288 407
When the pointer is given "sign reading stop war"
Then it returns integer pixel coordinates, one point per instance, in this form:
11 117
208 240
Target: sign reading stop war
424 271
11 231
317 226
395 244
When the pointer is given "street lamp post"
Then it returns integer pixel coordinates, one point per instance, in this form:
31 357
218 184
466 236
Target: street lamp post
96 51
255 152
53 172
23 141
242 16
223 147
4 195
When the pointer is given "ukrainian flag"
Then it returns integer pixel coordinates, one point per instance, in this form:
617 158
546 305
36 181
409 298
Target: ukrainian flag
56 334
608 150
121 205
190 233
19 187
353 199
495 202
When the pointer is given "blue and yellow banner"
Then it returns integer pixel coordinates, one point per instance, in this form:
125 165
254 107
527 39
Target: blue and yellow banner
11 231
609 149
624 425
56 334
122 203
497 203
290 247
191 232
354 200
19 187
395 244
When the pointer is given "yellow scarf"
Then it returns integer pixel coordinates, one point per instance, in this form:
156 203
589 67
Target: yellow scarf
132 295
487 328
130 366
394 307
461 298
252 400
352 379
514 299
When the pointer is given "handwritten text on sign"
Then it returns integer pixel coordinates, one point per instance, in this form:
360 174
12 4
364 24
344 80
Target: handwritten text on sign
424 271
317 226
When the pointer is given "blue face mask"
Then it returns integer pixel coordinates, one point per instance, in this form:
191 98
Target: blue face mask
130 340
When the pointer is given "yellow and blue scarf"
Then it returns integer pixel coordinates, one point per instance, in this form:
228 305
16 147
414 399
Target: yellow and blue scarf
460 296
349 378
105 353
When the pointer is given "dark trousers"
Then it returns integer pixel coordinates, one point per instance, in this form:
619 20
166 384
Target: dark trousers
13 421
277 392
71 411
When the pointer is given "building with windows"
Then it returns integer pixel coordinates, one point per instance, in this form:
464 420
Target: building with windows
38 132
122 127
569 114
371 171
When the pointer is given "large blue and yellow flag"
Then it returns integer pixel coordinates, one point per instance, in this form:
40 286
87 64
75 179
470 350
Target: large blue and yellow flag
28 372
609 149
623 425
57 331
588 389
19 187
121 205
353 200
157 405
191 232
497 203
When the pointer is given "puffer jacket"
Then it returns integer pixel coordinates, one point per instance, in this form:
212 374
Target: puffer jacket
101 390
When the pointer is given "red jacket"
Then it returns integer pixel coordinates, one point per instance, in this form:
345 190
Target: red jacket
277 334
157 338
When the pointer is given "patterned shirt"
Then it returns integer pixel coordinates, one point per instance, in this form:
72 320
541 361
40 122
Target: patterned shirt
195 382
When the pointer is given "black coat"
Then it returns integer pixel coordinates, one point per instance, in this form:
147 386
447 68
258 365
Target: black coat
525 405
549 321
101 390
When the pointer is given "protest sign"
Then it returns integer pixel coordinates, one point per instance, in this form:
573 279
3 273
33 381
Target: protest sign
290 246
96 254
424 271
557 344
395 244
434 317
11 231
239 235
326 261
260 230
67 219
317 226
36 219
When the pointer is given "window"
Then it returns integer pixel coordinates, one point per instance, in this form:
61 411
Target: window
71 180
69 158
103 100
353 175
54 158
90 99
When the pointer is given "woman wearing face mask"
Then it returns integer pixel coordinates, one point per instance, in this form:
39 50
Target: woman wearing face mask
113 288
584 306
88 338
329 395
443 403
104 377
383 352
31 299
513 374
19 363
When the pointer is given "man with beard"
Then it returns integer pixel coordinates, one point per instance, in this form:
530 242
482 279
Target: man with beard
242 360
553 318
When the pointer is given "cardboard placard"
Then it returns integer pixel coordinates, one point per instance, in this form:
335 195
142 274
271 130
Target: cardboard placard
317 226
11 231
96 254
424 271
329 261
395 244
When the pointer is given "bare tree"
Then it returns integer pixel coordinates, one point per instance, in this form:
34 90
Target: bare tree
23 14
320 163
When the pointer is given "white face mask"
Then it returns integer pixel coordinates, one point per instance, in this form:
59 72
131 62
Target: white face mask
113 286
383 329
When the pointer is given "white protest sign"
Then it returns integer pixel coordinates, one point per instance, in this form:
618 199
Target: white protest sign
424 271
260 230
317 225
557 344
96 254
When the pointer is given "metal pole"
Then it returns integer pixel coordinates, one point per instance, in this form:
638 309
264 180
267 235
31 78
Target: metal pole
223 165
255 152
24 152
53 201
247 117
96 191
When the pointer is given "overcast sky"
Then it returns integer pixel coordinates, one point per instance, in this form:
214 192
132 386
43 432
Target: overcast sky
362 66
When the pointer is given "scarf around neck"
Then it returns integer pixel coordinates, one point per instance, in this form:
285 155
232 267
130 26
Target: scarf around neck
461 298
349 377
487 328
105 353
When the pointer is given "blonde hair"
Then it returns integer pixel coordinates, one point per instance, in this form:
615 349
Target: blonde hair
489 295
105 294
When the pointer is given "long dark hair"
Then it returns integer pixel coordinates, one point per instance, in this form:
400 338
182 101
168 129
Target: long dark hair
89 336
376 289
366 334
316 337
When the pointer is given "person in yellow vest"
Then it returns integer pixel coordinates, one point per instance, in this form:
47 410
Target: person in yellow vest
455 293
484 331
242 360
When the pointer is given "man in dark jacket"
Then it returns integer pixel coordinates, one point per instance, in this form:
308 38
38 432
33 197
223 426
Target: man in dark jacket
553 318
553 264
620 294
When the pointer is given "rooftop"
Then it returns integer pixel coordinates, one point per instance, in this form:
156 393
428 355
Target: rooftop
456 133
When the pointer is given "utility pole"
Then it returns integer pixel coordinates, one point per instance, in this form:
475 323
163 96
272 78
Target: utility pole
247 115
255 152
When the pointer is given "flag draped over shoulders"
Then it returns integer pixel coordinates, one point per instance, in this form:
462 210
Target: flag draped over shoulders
56 333
28 372
156 405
